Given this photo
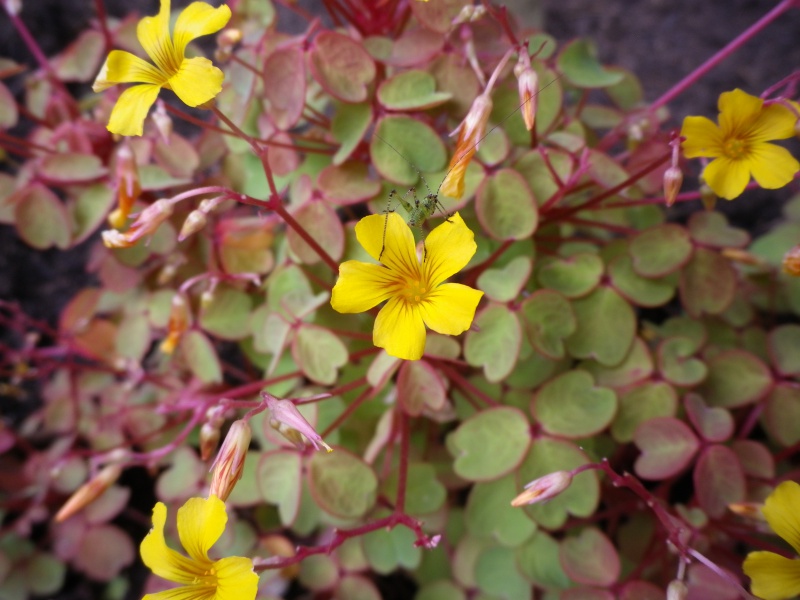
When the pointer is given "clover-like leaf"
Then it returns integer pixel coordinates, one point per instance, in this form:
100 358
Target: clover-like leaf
411 90
708 283
735 378
401 145
606 327
425 494
574 277
646 401
497 575
660 250
284 77
719 480
496 342
347 183
388 550
711 229
781 416
71 168
714 424
572 406
41 218
635 367
506 207
548 319
319 353
639 290
342 66
348 127
578 61
419 386
676 362
227 315
201 357
279 478
539 561
489 514
321 222
668 446
784 342
505 283
342 484
590 558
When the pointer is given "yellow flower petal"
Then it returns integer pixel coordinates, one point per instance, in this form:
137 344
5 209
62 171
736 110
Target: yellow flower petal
391 234
775 122
130 111
448 249
124 67
703 138
153 34
196 20
450 308
782 510
197 81
773 577
191 592
738 110
772 166
162 560
727 177
201 522
361 286
235 579
399 330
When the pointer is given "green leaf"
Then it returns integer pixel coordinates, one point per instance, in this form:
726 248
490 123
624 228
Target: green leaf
104 551
201 357
590 558
781 417
347 183
442 589
342 484
489 514
711 229
81 59
319 353
437 16
279 476
245 245
549 319
578 61
505 206
668 446
572 406
90 209
639 290
425 494
606 327
348 127
45 573
676 362
647 401
342 66
504 284
320 221
636 366
401 145
411 90
496 342
496 574
735 378
538 174
42 219
227 315
713 424
660 250
180 480
489 444
419 386
539 561
9 114
71 168
388 550
574 277
784 349
357 587
708 283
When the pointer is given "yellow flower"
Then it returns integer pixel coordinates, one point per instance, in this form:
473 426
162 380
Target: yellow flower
774 577
415 292
194 80
739 144
200 523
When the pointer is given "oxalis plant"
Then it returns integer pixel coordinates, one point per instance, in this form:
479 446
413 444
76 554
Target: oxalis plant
551 386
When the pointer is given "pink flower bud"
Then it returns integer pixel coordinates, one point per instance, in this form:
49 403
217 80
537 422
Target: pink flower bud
287 420
677 590
791 261
209 440
544 488
128 187
673 179
179 319
89 491
470 132
229 464
528 82
194 222
147 222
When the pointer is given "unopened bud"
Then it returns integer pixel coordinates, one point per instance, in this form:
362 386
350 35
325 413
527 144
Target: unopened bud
673 179
89 491
528 82
178 323
742 256
163 122
470 131
791 261
287 420
748 510
708 197
14 7
229 464
147 222
128 187
469 14
228 38
677 590
209 440
544 488
206 298
194 222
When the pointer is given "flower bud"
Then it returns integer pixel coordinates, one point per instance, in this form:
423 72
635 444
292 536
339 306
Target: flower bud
677 590
470 132
147 222
528 82
742 256
194 222
163 122
673 179
287 420
128 187
229 464
209 440
89 491
544 488
179 318
748 510
791 261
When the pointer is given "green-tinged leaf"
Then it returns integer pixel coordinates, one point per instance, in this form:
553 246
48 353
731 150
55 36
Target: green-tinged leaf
201 357
227 315
411 90
677 363
590 558
505 283
713 424
490 444
81 59
580 499
42 220
320 221
539 561
181 480
356 587
572 406
735 378
636 366
45 573
347 183
401 145
668 446
437 16
489 513
9 114
318 572
443 589
425 494
711 229
133 337
548 319
505 206
708 283
319 353
781 417
71 168
289 293
784 349
89 210
578 61
420 387
606 327
279 476
660 250
497 575
647 401
639 290
342 66
496 342
244 245
574 277
537 172
284 77
342 484
718 480
104 551
348 127
628 93
756 459
388 550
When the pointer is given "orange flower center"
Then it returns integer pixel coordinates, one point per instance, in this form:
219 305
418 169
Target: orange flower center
207 578
735 148
414 291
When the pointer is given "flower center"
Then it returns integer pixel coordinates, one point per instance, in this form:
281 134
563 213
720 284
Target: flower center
414 291
208 578
735 148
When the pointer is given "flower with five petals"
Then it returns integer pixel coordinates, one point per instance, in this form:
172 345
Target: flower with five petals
774 577
415 290
201 522
194 80
739 144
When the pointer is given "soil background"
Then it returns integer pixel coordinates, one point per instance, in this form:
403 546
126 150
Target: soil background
659 40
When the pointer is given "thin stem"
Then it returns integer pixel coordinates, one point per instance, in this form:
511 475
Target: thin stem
402 475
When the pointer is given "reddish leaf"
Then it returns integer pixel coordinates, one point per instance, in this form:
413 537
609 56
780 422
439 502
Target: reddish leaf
719 480
285 86
667 446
